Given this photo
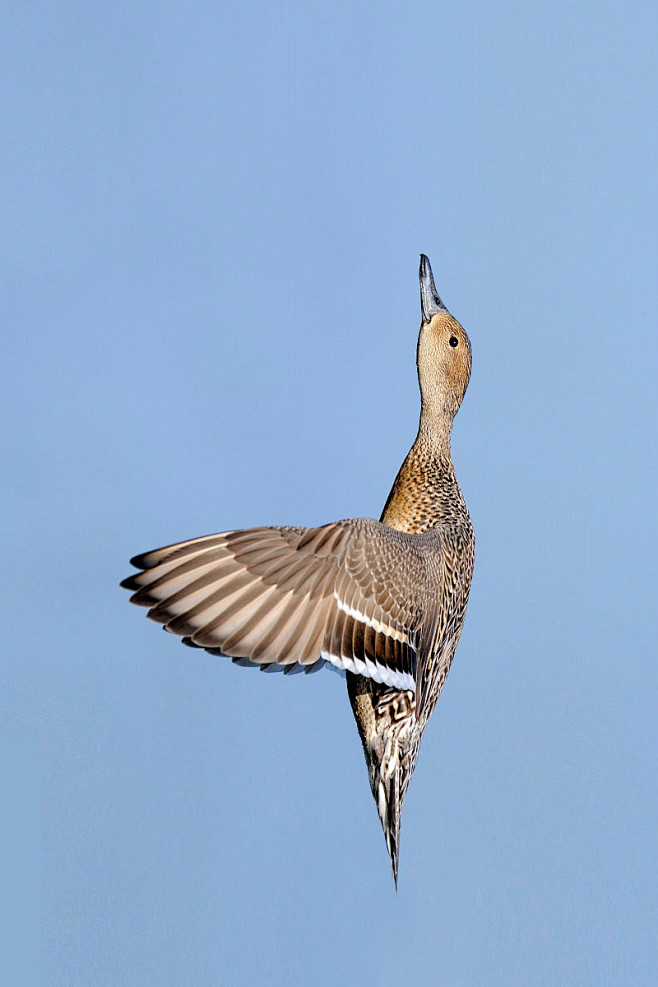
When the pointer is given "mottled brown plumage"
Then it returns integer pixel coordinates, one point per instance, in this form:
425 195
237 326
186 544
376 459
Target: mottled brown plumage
383 601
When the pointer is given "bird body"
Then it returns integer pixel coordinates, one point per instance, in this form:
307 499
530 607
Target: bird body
384 601
425 497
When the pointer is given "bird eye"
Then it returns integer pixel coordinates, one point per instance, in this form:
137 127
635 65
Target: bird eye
454 341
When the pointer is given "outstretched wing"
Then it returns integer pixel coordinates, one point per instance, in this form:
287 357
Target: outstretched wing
354 593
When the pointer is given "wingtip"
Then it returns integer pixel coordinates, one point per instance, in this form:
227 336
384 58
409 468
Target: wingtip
129 582
139 561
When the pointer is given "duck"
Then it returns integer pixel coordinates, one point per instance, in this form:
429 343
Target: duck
383 602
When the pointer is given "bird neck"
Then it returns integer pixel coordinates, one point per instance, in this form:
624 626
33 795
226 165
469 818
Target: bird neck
425 490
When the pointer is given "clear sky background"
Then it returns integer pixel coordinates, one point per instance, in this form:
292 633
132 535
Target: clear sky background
211 222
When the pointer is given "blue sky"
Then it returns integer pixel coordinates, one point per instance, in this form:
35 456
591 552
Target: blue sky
212 216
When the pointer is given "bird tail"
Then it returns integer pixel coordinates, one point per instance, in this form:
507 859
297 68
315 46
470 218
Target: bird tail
383 717
389 805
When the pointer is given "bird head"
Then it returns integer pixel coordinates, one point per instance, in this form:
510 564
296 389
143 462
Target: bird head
444 352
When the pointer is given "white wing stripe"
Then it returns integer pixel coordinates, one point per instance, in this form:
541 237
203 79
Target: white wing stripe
386 676
376 625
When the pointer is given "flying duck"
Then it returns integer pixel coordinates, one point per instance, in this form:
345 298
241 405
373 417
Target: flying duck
383 601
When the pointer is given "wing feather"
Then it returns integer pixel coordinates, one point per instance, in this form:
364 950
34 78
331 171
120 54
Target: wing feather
355 593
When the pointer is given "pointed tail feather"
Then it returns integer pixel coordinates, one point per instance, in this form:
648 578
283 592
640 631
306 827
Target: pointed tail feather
387 798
